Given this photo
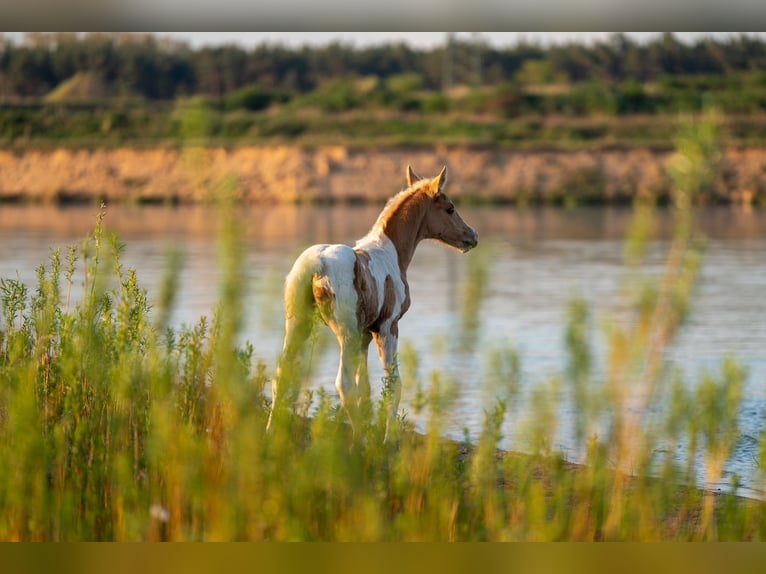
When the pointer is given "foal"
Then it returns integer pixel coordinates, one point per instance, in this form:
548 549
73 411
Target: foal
361 292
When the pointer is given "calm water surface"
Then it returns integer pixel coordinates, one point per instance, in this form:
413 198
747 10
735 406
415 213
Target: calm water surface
538 259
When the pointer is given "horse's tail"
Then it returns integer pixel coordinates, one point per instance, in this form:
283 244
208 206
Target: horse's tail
304 287
311 289
300 305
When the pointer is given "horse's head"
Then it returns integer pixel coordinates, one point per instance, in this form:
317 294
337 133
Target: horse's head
442 221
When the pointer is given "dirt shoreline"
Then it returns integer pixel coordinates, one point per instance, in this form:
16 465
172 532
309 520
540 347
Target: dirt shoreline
331 174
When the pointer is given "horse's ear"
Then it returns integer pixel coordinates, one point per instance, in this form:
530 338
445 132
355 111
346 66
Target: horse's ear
439 181
412 177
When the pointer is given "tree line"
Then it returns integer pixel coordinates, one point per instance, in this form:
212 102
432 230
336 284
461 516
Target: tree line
157 68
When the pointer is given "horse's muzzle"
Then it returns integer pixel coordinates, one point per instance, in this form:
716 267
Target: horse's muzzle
472 242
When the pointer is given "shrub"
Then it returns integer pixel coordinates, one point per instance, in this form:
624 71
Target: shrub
590 98
435 104
250 98
405 83
632 99
336 96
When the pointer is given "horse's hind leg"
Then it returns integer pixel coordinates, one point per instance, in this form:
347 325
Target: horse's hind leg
287 381
348 369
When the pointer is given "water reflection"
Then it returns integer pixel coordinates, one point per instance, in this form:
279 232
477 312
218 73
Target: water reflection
537 259
278 223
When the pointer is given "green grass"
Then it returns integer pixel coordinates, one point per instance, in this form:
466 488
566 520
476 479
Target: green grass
116 425
125 122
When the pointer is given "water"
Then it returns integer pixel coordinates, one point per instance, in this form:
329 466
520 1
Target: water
538 260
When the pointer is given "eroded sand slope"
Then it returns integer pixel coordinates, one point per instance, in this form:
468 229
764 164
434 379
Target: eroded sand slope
283 173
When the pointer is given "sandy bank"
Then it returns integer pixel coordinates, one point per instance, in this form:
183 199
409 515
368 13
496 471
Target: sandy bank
284 173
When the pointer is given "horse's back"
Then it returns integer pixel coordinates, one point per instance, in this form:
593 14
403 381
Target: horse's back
324 259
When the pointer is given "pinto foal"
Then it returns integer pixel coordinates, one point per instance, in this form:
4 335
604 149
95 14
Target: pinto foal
361 292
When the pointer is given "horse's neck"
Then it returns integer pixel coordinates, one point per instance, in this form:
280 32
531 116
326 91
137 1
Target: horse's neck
403 229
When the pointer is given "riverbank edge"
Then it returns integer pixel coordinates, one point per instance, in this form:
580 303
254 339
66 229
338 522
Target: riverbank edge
466 451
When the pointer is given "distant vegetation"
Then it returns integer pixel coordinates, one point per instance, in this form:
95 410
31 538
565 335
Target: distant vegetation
114 89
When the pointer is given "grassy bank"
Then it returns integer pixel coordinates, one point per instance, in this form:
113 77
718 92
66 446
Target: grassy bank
116 425
115 125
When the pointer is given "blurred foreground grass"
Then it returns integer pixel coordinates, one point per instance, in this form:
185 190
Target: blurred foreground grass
116 425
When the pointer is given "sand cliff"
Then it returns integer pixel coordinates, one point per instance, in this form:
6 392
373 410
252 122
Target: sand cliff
336 173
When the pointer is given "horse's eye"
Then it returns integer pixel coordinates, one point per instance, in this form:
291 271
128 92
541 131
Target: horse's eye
450 210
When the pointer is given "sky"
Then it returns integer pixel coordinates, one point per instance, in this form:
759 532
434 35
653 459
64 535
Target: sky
423 40
415 39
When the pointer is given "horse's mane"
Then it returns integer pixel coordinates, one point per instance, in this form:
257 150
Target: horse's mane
393 204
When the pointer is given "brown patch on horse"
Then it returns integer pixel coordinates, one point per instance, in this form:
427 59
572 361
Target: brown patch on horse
324 297
405 304
387 310
366 291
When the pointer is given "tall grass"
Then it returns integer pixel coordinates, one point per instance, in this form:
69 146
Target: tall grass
117 425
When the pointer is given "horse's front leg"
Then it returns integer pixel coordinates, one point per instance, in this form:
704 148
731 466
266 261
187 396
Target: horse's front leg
387 342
